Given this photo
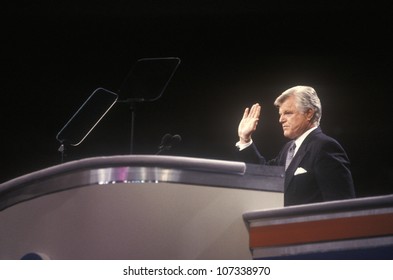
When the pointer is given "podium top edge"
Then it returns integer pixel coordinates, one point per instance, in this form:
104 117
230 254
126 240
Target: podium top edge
173 162
143 169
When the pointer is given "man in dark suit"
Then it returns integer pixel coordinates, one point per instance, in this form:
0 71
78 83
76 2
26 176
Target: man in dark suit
317 167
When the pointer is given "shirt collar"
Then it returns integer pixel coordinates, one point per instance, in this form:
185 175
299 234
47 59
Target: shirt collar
301 138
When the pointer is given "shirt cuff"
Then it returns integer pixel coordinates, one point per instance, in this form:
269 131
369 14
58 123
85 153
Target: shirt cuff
243 146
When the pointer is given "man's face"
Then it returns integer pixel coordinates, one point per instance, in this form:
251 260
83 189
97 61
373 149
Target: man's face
294 122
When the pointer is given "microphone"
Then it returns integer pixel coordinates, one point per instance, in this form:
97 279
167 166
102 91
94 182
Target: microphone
175 139
164 141
168 141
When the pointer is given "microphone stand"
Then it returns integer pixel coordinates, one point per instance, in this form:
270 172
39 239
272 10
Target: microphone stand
132 102
132 109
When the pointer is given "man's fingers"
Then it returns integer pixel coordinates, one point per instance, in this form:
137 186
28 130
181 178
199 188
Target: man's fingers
255 111
252 113
246 111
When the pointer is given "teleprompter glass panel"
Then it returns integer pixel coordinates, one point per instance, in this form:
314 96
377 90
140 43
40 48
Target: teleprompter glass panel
148 79
87 117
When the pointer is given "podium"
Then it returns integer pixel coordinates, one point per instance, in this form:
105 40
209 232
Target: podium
135 207
355 229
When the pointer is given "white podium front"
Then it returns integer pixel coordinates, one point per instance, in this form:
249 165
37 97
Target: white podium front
135 207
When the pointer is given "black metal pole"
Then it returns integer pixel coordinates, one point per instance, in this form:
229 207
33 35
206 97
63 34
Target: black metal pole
132 108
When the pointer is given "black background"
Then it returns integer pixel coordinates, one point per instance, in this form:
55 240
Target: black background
233 53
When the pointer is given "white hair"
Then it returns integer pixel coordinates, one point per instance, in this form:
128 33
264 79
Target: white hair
306 98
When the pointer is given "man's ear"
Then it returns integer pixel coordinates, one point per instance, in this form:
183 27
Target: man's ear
310 114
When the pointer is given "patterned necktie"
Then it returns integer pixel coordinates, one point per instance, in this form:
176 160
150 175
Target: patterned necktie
290 154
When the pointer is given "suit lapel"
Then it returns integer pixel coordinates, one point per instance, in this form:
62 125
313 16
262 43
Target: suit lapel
294 164
298 158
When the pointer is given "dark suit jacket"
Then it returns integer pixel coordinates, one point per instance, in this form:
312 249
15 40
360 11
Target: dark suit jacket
318 172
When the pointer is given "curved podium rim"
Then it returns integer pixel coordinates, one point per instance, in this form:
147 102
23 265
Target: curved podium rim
140 169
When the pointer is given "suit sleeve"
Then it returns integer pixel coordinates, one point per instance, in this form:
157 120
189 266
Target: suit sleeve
333 173
250 155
